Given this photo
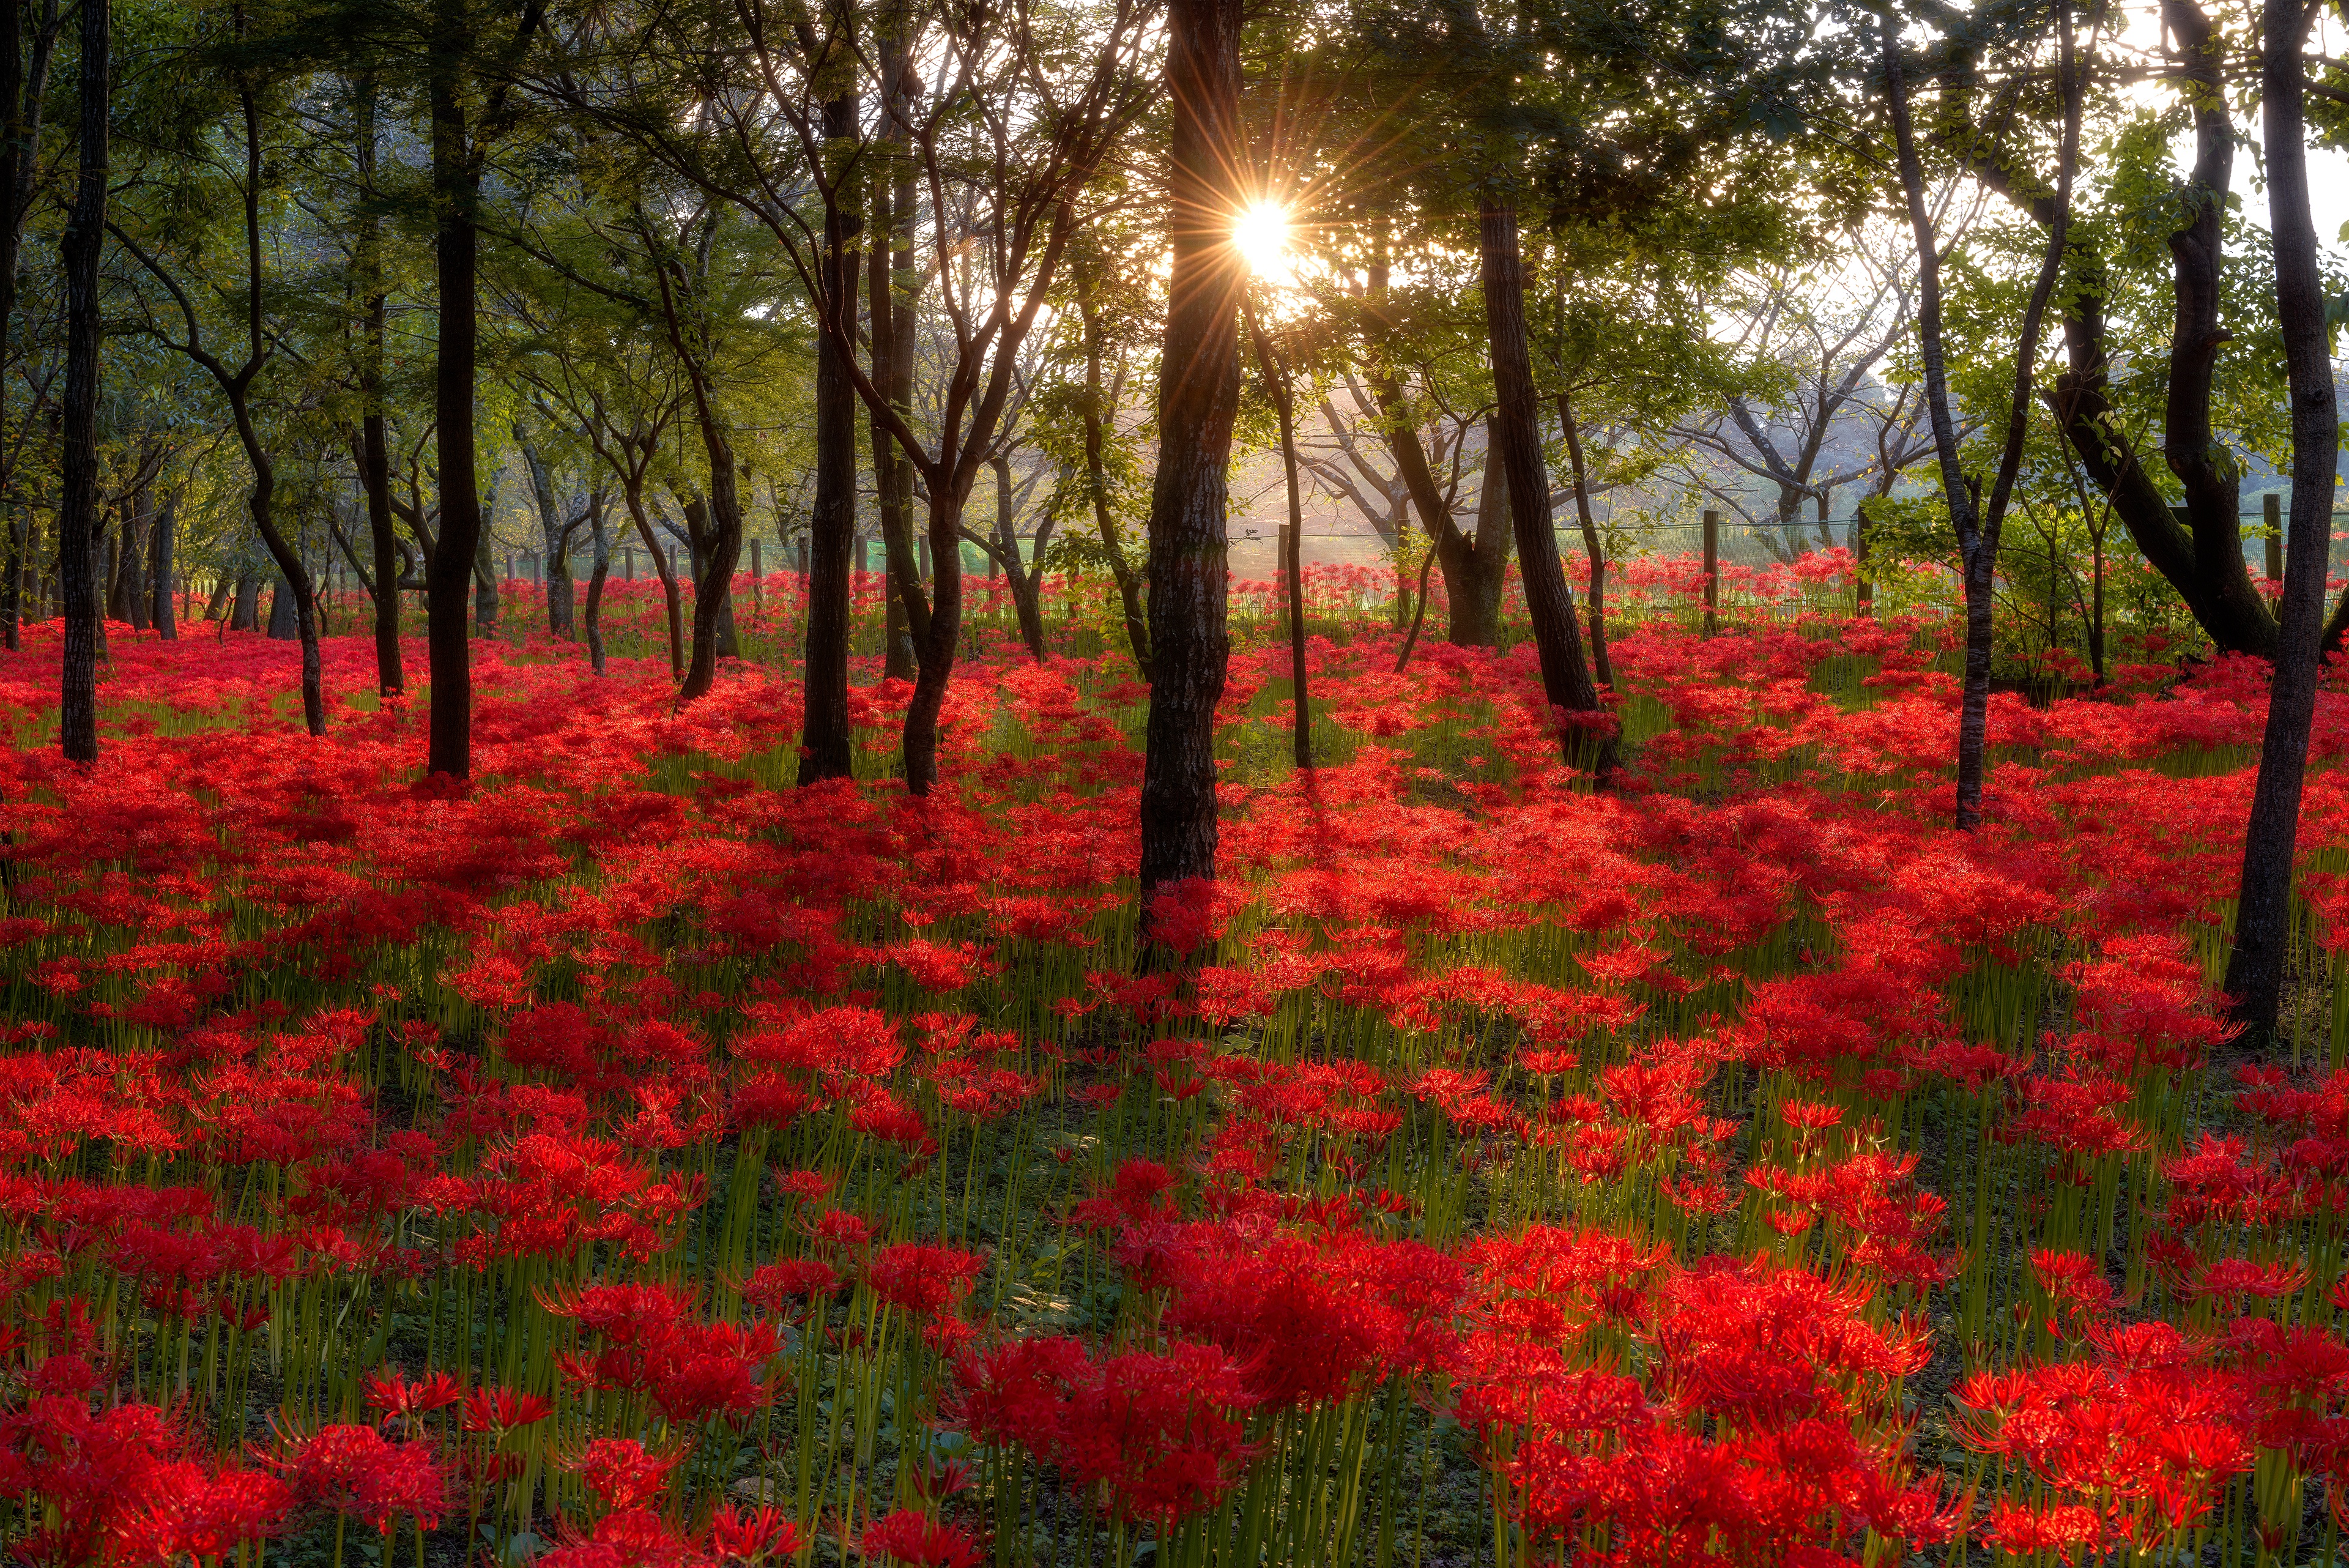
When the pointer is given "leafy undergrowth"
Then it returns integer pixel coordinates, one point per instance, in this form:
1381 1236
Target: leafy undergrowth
635 1160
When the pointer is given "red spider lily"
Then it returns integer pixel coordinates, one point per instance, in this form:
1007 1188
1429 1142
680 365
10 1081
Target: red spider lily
756 1536
502 1410
352 1470
623 1473
920 1278
908 1537
392 1393
1158 1430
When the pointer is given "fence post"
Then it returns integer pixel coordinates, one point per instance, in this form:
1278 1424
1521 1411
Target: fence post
1711 571
2273 505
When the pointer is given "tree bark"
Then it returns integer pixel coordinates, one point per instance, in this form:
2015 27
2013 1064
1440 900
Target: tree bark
449 575
831 524
1585 728
375 449
1976 525
1024 584
2255 967
592 618
715 524
552 530
1591 545
12 587
23 90
162 548
1293 555
77 510
896 307
1198 398
1096 431
130 562
2211 483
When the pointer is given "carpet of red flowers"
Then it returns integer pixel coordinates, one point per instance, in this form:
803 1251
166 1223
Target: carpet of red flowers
633 1159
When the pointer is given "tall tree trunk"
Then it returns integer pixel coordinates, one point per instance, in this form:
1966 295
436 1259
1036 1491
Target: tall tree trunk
831 524
2211 485
935 652
2263 920
1586 728
1096 429
715 526
593 616
12 588
78 512
1198 398
1593 547
24 89
244 613
1475 571
1976 523
126 603
375 447
448 574
486 598
633 493
163 548
1293 568
551 531
896 316
1024 600
282 626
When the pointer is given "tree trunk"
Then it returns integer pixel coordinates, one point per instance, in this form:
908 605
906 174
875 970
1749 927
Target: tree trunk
281 613
1864 593
2255 968
1024 601
78 512
1198 399
832 523
1976 525
715 527
935 653
592 616
454 262
2218 591
485 573
1096 428
896 315
1292 569
162 547
245 615
2212 489
1476 570
23 90
1593 547
375 450
12 590
633 493
126 603
456 190
550 530
1585 728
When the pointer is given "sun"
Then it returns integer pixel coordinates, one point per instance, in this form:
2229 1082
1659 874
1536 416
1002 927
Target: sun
1261 235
